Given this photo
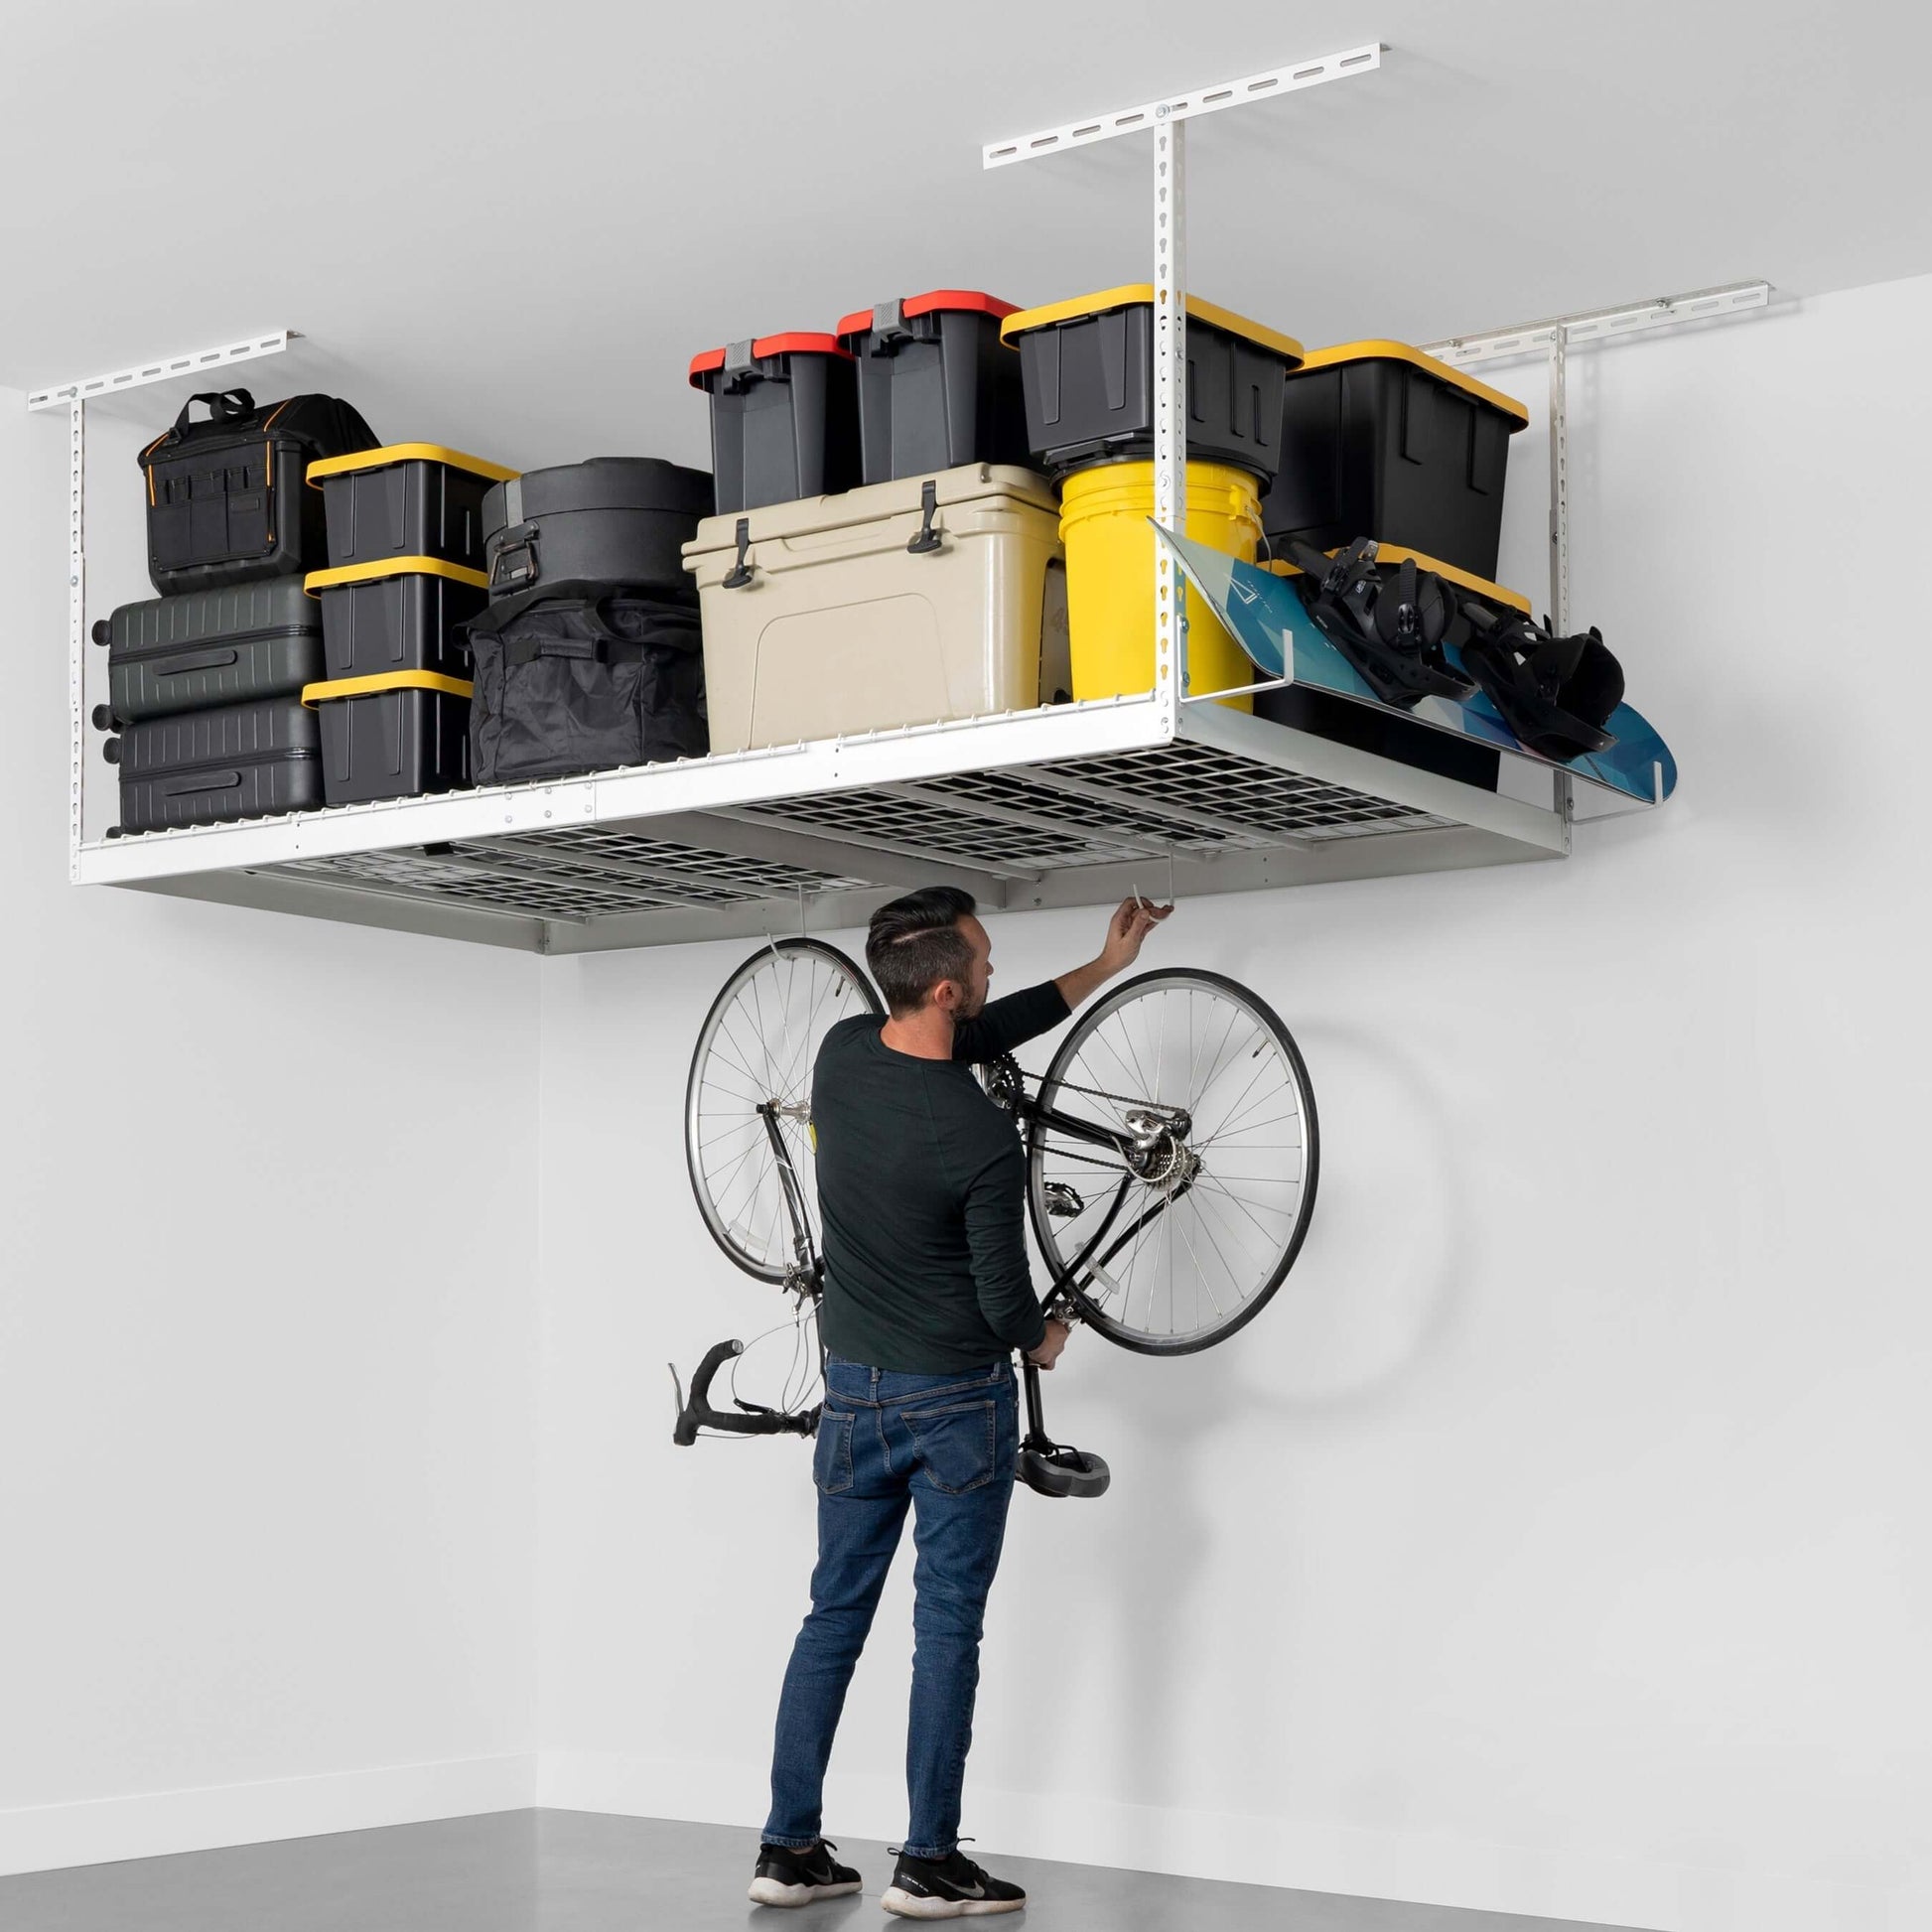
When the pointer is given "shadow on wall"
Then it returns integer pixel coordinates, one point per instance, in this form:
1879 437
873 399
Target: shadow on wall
1371 1300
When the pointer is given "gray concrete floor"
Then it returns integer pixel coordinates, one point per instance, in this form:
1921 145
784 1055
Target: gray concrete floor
582 1871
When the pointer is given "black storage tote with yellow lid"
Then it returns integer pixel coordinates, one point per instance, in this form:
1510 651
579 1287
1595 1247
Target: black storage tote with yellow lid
405 499
1382 441
227 501
199 767
785 419
394 706
936 388
391 735
1086 367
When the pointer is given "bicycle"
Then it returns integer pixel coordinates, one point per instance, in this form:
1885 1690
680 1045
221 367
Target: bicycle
1114 1190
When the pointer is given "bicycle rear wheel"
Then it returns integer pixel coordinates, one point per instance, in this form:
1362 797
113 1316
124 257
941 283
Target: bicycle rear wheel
756 1050
1201 1073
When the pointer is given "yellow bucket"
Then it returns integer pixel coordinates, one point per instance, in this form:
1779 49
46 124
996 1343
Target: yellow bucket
1109 542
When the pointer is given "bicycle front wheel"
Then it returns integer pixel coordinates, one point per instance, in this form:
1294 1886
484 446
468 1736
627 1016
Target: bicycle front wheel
754 1057
1196 1223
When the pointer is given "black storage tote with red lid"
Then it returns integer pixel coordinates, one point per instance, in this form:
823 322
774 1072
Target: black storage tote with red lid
937 389
785 419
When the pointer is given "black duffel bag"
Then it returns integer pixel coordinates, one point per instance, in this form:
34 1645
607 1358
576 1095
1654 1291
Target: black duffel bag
583 683
227 496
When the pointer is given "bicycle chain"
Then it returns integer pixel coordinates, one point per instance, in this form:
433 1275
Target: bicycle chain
1114 1165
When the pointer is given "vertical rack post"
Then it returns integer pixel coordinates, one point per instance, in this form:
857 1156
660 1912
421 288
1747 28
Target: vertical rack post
1562 796
1558 482
1169 408
77 626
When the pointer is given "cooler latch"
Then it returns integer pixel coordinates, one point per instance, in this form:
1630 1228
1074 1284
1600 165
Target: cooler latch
739 572
928 539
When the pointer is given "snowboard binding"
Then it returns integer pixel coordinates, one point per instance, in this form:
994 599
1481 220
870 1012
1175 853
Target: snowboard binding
1390 624
1555 693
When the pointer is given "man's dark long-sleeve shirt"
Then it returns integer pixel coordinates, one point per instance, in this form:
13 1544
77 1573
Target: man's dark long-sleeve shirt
921 1185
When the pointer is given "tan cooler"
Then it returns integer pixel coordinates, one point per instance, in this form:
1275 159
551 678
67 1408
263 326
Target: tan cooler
900 603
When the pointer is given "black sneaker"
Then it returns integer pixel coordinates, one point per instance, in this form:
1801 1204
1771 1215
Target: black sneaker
949 1887
788 1877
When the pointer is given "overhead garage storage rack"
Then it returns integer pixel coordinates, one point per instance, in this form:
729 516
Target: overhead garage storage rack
1068 806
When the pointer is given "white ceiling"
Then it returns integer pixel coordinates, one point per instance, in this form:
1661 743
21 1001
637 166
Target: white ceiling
509 226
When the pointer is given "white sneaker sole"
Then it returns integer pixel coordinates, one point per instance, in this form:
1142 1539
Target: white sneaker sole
908 1904
774 1891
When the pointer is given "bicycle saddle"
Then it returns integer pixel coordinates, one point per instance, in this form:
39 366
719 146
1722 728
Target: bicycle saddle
1063 1472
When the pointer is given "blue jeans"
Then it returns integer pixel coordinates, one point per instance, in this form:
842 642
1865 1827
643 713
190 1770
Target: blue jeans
946 1446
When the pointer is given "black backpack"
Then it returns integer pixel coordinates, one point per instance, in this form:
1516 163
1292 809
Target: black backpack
227 499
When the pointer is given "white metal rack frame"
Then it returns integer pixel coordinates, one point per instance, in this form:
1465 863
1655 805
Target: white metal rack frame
1072 804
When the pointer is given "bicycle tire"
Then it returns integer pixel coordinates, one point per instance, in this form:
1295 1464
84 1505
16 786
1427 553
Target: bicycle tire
717 1223
1087 1028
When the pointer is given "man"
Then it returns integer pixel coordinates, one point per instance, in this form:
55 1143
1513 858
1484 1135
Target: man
927 1292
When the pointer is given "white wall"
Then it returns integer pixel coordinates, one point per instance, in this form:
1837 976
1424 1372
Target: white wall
267 1241
1556 1542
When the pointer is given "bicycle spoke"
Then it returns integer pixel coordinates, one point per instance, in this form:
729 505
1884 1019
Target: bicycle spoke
1201 1222
1266 1099
1200 1274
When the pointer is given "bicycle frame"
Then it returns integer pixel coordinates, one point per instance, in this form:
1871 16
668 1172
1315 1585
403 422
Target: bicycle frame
808 1274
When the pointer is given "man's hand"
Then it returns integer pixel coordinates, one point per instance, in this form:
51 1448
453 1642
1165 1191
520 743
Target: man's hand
1134 919
1049 1351
1124 931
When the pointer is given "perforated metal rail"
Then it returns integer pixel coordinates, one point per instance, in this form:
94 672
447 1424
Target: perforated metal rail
1037 833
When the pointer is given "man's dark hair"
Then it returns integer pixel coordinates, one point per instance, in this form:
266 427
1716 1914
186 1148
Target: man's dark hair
914 942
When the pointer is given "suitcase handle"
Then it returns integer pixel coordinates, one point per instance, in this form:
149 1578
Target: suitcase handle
214 659
200 781
223 406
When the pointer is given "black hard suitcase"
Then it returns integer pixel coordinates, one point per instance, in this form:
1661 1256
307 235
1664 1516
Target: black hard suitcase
245 761
210 647
585 528
228 497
